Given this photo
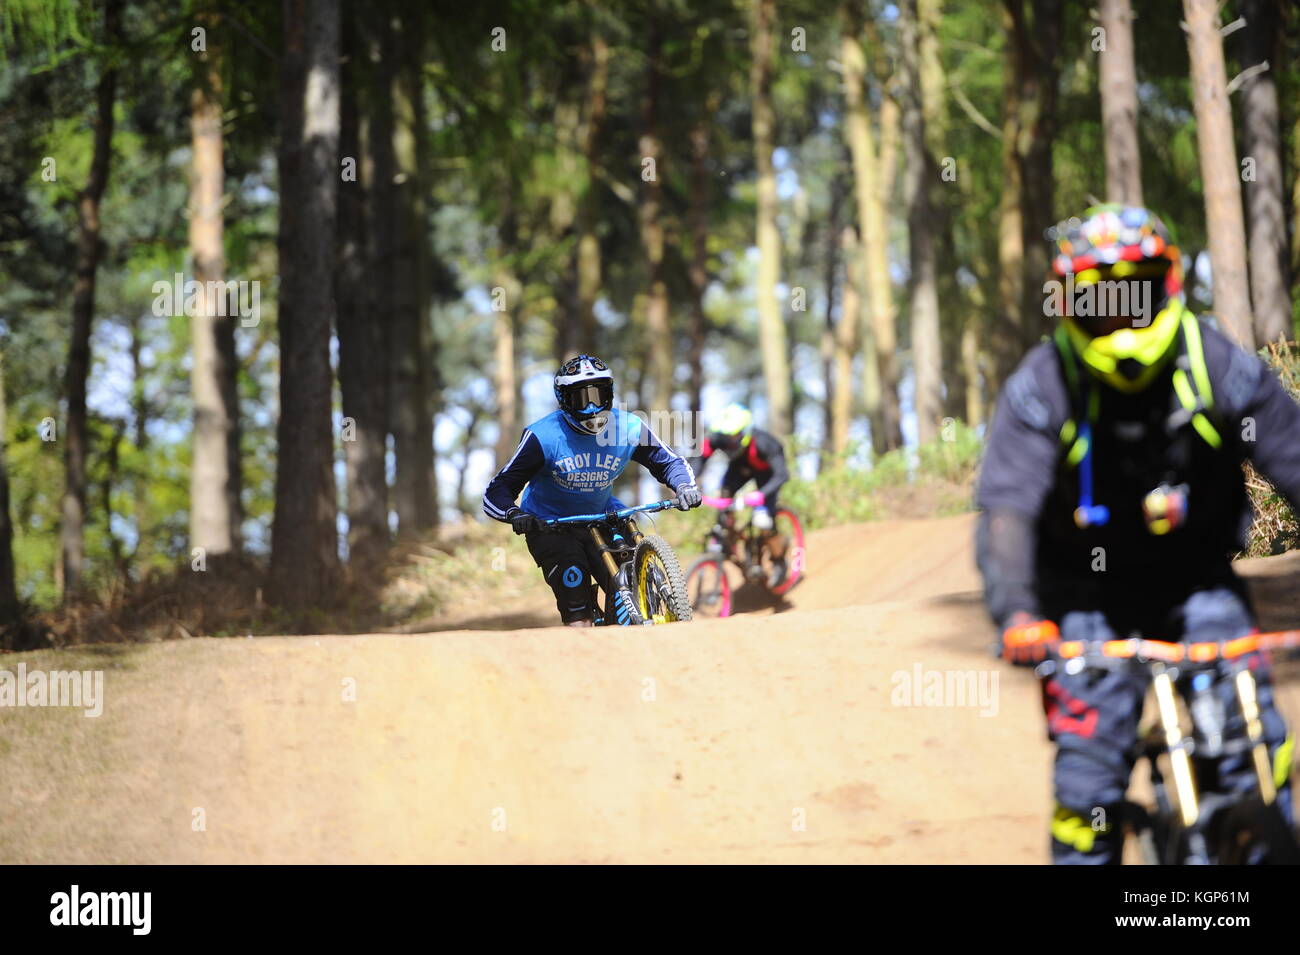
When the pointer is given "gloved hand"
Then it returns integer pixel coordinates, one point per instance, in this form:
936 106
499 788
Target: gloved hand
688 496
1021 641
762 519
523 522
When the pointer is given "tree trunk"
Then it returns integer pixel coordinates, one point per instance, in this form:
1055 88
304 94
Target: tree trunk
382 211
362 359
771 329
1265 205
1008 347
228 379
1026 205
72 530
588 252
846 342
1040 34
505 364
659 341
699 267
1119 104
927 352
140 438
212 525
10 609
873 234
412 421
565 201
831 266
304 539
1219 171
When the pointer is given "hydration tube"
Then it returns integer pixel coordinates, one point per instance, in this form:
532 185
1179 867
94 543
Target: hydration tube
1088 514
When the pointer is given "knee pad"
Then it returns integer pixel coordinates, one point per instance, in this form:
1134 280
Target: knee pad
1085 832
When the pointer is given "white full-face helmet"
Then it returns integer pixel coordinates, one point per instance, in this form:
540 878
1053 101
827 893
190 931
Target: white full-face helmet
584 389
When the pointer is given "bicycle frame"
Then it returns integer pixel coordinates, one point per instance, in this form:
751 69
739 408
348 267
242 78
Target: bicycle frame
620 544
731 533
1168 664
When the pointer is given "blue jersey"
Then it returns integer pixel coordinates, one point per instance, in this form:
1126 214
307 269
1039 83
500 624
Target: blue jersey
568 472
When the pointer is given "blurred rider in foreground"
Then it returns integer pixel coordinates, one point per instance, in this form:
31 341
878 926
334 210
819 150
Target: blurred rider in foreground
1112 497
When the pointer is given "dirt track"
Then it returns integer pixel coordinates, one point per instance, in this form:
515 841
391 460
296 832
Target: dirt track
692 743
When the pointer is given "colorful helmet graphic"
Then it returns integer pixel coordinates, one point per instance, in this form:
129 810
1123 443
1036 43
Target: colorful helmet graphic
1123 281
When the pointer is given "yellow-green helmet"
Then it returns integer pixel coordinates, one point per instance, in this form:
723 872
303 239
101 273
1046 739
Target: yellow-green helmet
732 426
1110 258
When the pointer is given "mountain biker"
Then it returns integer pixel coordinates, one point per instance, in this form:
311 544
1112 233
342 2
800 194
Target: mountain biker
752 455
566 464
1111 498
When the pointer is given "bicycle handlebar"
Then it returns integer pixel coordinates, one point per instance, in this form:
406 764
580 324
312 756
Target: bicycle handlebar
1149 651
752 499
610 515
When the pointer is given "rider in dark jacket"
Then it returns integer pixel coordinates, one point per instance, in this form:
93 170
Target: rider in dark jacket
1112 498
752 455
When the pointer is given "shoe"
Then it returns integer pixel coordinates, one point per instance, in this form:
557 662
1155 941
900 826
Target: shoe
779 573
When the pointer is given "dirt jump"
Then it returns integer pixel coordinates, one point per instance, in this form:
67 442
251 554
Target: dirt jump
801 735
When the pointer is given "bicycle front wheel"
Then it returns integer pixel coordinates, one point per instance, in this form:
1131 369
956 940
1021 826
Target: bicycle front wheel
708 588
660 588
1252 833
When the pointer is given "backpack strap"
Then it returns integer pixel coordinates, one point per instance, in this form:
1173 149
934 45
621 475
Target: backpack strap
1194 391
1074 437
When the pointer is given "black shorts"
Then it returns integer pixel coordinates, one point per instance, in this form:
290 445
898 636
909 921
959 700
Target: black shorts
569 559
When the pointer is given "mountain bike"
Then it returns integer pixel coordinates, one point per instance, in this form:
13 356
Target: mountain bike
772 559
1196 819
647 577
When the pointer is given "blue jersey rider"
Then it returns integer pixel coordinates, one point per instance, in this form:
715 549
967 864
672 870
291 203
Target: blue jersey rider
566 464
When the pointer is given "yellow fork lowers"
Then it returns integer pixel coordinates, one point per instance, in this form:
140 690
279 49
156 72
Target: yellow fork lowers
1255 732
1176 743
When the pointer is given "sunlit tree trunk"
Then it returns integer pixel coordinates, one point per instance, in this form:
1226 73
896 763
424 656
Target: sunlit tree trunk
1119 103
1261 142
927 354
771 329
304 538
1224 223
72 530
212 524
873 227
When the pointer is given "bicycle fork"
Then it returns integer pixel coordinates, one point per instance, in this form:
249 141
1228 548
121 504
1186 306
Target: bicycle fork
1178 746
622 602
1249 701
